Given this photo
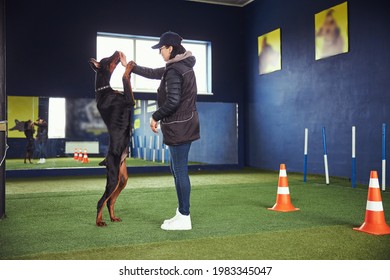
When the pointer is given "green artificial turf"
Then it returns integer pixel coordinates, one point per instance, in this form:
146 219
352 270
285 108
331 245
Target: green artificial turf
54 218
69 162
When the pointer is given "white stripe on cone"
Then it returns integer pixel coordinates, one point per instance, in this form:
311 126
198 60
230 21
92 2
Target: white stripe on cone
374 205
374 183
283 190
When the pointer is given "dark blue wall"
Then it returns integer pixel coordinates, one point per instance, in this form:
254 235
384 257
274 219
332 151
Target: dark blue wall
337 92
50 42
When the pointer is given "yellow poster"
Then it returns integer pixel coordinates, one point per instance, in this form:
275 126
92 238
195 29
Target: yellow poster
20 109
331 31
269 52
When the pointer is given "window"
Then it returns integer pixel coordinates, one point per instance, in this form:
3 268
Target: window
138 48
57 119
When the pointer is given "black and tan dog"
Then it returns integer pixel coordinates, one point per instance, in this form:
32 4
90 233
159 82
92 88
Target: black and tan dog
115 108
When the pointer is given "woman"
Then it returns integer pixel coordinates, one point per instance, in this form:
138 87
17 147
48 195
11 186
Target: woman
178 117
41 139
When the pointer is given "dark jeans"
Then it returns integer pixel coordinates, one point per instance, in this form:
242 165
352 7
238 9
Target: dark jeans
40 147
179 169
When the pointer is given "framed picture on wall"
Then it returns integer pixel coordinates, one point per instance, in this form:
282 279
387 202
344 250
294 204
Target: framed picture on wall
331 31
269 52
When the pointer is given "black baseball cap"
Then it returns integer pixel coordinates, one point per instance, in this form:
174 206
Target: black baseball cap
168 39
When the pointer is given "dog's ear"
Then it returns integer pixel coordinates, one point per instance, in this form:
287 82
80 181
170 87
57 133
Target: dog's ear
95 65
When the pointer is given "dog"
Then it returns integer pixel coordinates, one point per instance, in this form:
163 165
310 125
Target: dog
115 108
28 128
330 32
29 133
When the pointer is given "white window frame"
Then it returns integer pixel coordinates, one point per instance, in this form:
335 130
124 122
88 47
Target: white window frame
107 43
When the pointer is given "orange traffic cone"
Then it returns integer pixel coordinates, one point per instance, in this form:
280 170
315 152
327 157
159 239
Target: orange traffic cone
283 201
81 157
75 155
85 158
374 222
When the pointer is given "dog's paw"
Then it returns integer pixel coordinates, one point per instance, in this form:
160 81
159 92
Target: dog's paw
101 224
130 65
116 219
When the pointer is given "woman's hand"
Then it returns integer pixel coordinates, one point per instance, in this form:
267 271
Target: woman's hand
122 58
153 125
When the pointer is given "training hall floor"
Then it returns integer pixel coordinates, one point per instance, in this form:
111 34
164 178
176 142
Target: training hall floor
54 218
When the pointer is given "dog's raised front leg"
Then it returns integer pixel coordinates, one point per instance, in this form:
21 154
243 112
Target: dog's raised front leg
128 92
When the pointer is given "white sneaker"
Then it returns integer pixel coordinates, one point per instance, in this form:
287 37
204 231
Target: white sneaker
40 161
173 218
180 222
43 160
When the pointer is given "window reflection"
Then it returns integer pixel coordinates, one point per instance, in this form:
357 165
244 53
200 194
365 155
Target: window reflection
85 130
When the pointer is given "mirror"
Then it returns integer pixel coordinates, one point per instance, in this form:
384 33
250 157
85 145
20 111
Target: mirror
84 139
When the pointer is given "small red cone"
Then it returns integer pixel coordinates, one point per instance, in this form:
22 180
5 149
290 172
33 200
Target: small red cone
85 158
283 200
374 222
81 156
76 155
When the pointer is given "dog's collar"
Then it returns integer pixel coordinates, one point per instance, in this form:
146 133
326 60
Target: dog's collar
102 88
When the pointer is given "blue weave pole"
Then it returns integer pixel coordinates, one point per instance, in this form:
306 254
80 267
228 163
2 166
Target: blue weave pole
325 156
384 157
305 155
353 178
